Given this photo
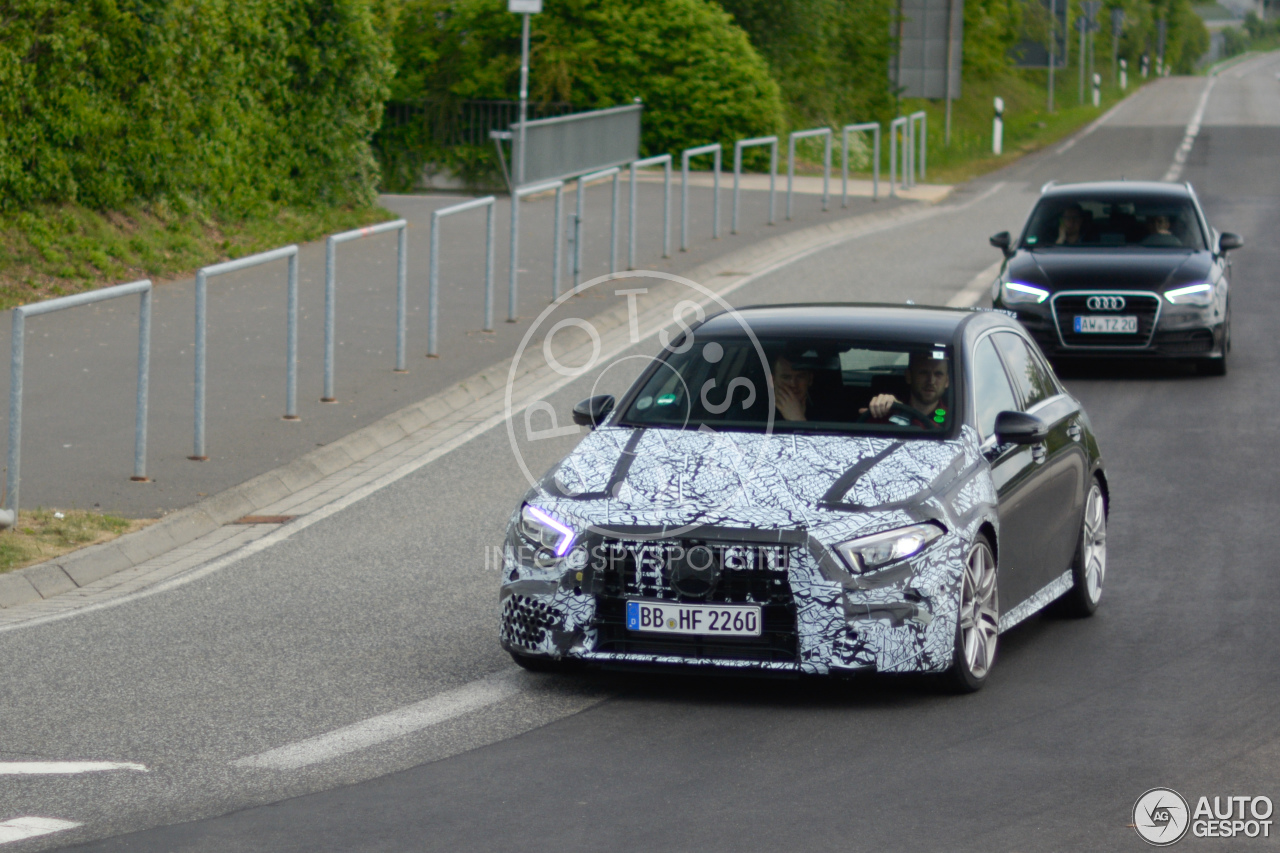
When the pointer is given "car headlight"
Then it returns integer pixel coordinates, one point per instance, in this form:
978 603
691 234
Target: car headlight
871 552
1017 293
1193 294
541 529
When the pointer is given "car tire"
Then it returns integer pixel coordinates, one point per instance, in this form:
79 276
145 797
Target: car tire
1089 568
978 621
1212 366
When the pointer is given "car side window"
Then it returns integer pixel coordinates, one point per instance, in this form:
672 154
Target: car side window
1031 377
991 391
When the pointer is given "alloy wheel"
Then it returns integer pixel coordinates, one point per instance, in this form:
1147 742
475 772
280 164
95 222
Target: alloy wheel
979 611
1094 546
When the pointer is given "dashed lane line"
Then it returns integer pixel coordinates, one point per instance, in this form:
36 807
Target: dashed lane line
1189 138
18 828
65 768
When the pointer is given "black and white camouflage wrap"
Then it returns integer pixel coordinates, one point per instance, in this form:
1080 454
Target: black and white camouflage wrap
827 489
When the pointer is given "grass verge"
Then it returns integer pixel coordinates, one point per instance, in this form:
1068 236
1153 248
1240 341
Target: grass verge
43 534
59 249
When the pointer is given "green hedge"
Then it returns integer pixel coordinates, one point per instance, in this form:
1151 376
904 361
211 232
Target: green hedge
233 104
697 74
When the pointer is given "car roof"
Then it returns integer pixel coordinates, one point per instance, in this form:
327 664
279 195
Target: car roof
1147 188
869 321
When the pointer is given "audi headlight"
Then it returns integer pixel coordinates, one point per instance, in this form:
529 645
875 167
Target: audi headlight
1195 294
543 530
1017 293
879 549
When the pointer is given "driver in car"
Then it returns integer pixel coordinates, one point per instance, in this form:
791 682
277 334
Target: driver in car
791 389
928 379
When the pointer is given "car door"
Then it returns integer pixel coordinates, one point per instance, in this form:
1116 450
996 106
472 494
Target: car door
1013 470
1057 502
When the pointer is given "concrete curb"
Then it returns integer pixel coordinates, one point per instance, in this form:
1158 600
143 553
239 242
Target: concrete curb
79 568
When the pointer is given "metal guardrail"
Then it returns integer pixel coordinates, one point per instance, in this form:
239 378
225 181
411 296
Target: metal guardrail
896 126
433 281
556 239
922 119
826 162
565 146
575 234
714 149
867 126
331 295
772 142
665 161
17 349
291 335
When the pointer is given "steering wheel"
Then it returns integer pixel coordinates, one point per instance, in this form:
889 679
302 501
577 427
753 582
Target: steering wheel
906 411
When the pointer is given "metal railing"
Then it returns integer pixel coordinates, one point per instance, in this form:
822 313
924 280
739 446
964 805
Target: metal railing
665 161
772 142
826 162
291 335
867 126
17 348
896 126
448 122
575 234
331 294
714 149
433 280
922 119
556 239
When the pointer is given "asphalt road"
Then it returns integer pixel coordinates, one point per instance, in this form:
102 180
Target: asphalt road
388 608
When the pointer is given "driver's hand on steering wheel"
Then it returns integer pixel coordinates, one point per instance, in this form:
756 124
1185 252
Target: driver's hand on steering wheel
880 405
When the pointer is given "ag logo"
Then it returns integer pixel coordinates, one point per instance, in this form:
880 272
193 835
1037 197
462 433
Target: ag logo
1160 817
1105 303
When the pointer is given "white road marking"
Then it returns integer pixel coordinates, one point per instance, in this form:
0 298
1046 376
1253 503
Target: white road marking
398 723
18 828
1097 123
977 286
64 768
1189 139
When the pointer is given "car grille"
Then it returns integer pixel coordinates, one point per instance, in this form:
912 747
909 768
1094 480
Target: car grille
755 580
1067 306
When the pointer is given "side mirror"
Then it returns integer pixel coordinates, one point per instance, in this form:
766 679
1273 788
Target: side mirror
1229 241
1002 241
591 411
1020 428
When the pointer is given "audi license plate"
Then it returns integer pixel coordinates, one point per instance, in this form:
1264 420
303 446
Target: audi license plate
1107 325
709 620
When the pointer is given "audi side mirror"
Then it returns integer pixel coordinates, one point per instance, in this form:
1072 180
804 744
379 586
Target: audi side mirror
1002 241
593 410
1020 428
1229 241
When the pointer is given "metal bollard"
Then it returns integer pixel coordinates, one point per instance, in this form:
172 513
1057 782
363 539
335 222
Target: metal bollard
826 163
923 119
772 142
665 161
519 194
713 149
896 126
17 352
583 181
331 287
433 281
291 336
874 128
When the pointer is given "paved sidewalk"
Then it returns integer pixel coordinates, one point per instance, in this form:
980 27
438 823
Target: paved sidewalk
80 364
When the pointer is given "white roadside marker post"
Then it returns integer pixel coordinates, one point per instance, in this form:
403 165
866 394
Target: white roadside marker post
1124 75
997 128
1097 90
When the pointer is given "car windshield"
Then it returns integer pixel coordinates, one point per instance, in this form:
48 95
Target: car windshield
798 384
1093 221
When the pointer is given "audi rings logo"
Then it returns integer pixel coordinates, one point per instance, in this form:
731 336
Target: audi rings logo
1105 303
1160 816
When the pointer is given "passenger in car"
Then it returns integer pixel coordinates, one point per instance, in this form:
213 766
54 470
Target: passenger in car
791 389
927 381
1160 232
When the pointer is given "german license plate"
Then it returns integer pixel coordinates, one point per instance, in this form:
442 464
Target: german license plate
1107 325
709 620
